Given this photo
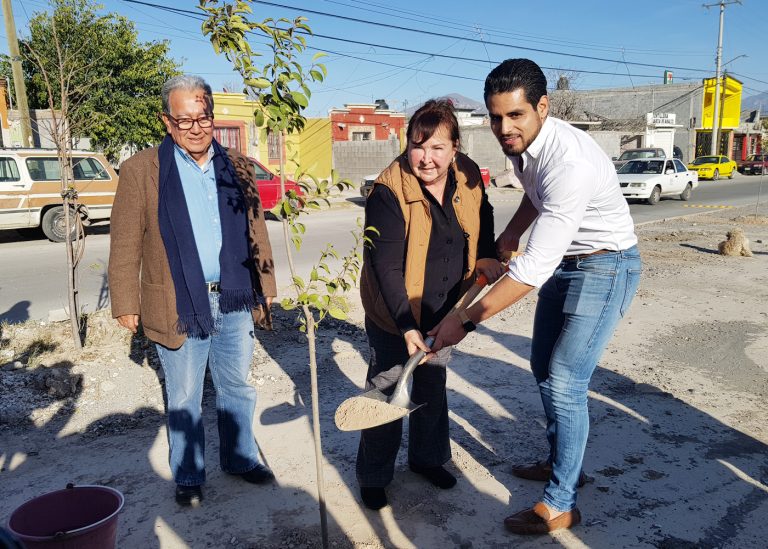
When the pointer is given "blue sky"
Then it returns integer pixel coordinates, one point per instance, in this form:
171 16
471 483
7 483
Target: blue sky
634 41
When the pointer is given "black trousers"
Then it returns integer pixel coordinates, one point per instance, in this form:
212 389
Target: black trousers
428 441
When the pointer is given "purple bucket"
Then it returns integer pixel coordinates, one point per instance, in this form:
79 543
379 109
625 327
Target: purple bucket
78 517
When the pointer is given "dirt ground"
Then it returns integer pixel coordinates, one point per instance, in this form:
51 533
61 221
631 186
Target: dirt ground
677 450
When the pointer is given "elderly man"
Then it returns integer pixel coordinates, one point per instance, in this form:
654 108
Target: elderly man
583 256
189 257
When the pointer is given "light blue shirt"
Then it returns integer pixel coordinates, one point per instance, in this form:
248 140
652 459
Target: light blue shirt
199 186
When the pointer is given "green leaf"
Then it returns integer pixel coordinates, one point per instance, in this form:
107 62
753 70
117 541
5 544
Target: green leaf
258 83
298 281
318 55
300 98
337 313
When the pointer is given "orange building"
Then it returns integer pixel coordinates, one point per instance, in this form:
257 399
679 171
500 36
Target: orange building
366 122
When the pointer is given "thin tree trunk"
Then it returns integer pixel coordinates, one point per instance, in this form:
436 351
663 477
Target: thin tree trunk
68 202
310 325
316 425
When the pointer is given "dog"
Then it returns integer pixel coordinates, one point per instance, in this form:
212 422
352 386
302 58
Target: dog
737 244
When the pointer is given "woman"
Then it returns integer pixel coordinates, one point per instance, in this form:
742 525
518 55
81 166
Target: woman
435 230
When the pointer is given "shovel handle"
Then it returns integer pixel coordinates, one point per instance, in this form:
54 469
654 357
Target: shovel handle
400 396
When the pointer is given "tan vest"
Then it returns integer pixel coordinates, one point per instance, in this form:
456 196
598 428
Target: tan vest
399 178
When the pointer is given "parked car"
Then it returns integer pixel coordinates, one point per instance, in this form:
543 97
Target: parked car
634 154
754 164
366 185
30 190
269 185
713 167
650 179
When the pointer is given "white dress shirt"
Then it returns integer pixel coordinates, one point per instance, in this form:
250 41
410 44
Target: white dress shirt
573 185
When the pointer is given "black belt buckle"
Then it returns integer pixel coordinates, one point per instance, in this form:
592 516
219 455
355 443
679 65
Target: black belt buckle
213 287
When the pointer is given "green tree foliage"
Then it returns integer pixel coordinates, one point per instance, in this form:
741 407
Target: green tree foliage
123 108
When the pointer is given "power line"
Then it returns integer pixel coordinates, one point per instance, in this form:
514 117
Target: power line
198 16
534 38
442 35
407 50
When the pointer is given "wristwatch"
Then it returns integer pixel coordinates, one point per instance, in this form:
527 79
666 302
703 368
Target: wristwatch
468 325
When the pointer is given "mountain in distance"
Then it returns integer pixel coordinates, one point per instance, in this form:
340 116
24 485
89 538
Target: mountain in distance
753 102
460 102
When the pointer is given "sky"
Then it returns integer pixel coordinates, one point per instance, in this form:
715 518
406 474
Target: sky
406 52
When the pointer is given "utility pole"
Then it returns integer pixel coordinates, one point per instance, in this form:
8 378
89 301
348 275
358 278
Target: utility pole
18 75
715 120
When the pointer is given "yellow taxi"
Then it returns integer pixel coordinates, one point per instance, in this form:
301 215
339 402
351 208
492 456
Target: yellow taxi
713 167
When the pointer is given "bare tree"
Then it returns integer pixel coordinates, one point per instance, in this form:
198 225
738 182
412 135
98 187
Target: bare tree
66 95
564 101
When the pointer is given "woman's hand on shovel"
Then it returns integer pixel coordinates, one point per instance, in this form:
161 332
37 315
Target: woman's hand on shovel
414 341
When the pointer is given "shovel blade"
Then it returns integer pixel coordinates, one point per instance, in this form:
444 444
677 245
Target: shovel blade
368 410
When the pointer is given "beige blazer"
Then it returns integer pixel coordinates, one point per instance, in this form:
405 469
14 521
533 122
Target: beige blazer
139 275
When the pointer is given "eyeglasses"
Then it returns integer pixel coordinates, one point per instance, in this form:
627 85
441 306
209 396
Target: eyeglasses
204 122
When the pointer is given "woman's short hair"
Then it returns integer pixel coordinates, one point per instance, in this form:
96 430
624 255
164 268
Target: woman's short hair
434 114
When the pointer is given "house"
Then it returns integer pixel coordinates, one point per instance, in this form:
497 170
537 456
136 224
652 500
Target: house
366 122
234 126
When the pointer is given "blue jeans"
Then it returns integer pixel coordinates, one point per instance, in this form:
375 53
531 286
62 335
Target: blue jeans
576 314
228 353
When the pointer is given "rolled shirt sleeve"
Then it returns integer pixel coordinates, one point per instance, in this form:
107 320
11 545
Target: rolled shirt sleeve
565 192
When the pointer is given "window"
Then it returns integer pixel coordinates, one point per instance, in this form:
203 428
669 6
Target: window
86 169
273 146
44 169
228 137
361 136
261 173
9 171
680 166
48 169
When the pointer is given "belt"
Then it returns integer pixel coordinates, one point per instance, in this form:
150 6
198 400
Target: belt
585 256
213 287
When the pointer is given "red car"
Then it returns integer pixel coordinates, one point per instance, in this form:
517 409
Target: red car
269 185
756 164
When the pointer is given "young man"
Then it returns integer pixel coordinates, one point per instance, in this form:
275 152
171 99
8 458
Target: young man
581 254
189 254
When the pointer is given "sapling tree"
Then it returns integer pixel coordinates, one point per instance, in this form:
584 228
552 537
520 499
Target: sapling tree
281 88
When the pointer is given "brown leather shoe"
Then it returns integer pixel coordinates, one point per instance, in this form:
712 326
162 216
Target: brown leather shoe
536 521
541 471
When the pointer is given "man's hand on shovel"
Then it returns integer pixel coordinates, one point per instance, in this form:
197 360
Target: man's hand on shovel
450 330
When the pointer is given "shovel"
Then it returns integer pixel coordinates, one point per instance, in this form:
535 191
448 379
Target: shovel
374 408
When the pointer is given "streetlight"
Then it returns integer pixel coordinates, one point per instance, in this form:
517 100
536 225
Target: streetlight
715 132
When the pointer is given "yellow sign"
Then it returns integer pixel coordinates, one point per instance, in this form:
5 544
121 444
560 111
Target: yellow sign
730 103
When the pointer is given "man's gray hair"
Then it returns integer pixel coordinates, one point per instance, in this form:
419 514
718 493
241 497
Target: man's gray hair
187 82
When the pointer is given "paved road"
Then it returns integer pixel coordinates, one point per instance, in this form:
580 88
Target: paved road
33 273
